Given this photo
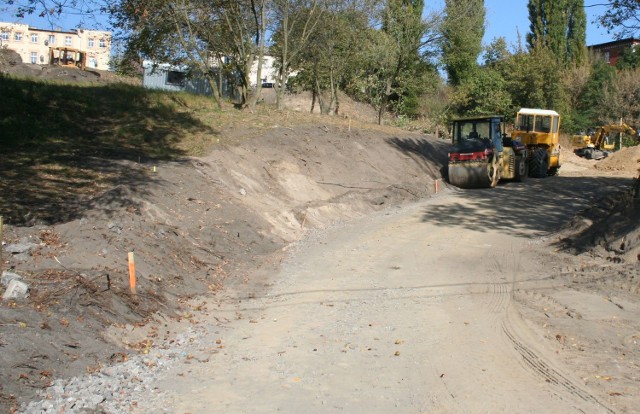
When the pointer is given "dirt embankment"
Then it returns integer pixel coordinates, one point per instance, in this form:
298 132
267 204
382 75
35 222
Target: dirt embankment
611 226
194 227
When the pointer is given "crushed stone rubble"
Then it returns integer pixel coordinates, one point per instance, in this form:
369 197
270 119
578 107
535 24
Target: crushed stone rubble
124 387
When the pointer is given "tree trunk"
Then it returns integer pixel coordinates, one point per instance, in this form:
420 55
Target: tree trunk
214 88
321 102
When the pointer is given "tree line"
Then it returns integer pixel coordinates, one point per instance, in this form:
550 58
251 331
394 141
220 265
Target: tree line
388 53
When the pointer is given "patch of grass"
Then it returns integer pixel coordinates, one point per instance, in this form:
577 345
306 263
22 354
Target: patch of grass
60 142
63 143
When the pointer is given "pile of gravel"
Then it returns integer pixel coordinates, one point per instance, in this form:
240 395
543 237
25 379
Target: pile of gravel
125 387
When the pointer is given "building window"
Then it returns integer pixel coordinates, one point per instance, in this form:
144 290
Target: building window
90 42
4 36
52 40
34 38
607 57
176 78
67 40
34 57
103 43
17 36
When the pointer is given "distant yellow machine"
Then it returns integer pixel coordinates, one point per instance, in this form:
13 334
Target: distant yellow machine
67 56
600 143
539 131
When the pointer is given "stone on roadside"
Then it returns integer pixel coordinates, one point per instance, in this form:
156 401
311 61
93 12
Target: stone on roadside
8 277
16 289
19 248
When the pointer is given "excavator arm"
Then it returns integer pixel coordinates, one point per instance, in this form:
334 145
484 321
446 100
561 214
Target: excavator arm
599 138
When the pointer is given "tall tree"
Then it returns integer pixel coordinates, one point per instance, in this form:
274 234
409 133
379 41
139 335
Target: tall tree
295 21
201 34
176 32
496 52
601 79
622 18
534 79
462 31
243 27
396 64
327 63
559 25
576 32
621 100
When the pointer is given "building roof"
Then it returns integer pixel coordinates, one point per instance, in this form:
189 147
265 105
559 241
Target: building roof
35 29
621 42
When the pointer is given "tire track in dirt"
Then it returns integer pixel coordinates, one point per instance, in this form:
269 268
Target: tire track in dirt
404 312
537 364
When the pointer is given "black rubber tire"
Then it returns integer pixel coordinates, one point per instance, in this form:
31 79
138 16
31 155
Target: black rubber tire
539 164
522 169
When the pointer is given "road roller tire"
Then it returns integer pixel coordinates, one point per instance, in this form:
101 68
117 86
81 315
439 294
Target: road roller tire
521 169
474 175
539 164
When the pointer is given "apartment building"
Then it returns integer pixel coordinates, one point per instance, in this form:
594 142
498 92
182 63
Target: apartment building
611 51
34 44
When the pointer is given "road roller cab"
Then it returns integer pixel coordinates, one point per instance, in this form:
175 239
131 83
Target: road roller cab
482 153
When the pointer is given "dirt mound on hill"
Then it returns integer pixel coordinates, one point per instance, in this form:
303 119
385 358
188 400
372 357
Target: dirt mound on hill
625 160
609 229
9 58
11 64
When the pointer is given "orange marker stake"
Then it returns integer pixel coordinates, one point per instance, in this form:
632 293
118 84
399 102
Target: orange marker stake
132 273
436 186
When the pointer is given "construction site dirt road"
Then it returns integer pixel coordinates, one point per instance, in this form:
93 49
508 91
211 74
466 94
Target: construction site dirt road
315 268
461 303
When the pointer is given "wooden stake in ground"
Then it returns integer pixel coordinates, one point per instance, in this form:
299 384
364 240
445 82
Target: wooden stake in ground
132 273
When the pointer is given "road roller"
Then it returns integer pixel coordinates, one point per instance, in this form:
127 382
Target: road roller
482 154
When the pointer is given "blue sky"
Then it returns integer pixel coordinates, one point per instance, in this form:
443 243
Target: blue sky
504 18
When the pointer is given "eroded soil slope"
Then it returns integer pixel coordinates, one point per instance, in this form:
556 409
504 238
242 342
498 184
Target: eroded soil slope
194 226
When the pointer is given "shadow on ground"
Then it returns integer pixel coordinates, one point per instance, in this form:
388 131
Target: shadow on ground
534 208
62 144
431 155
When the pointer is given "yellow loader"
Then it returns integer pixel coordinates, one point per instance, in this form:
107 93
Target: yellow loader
539 131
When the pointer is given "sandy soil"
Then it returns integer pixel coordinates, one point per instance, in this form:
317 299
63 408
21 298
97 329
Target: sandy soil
321 272
195 227
454 304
